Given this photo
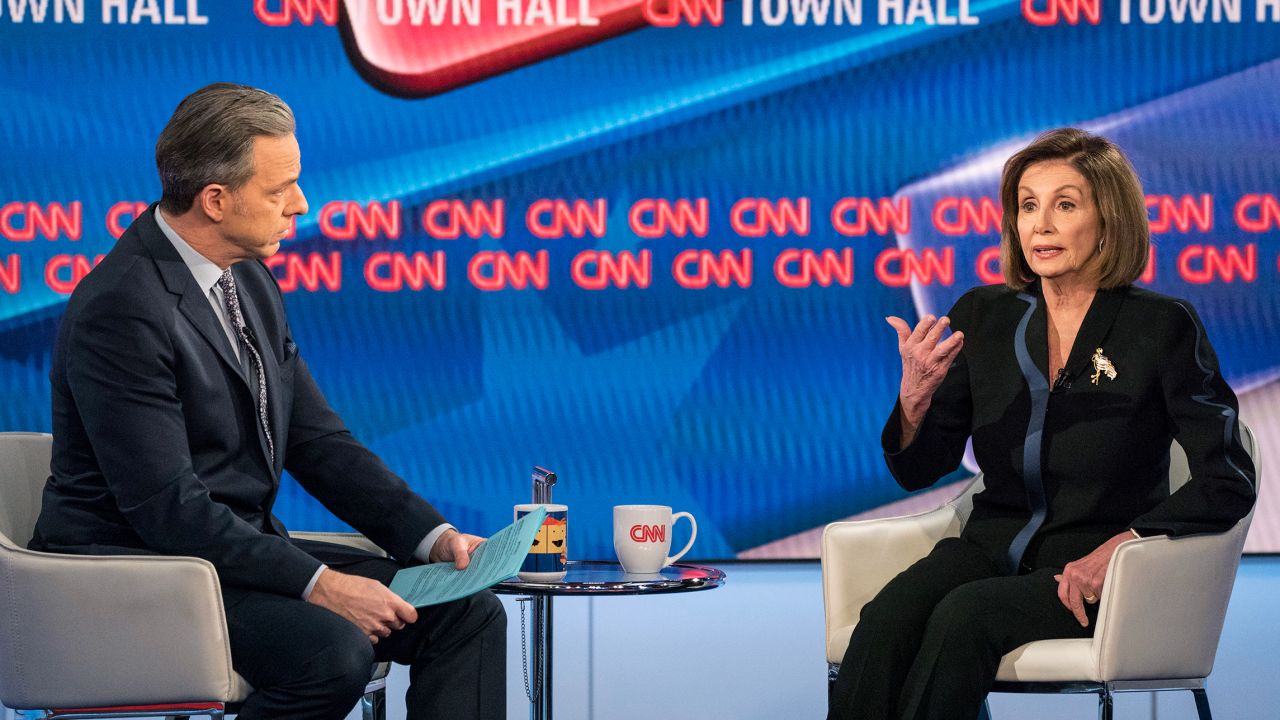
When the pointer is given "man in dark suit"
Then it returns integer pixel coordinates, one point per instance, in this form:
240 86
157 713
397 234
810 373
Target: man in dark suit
179 396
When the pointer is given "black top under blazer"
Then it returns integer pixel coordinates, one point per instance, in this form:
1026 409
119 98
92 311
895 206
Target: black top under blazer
156 442
1092 457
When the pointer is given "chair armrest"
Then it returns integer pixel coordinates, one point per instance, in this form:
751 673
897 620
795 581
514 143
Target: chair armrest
1163 605
350 539
861 557
86 631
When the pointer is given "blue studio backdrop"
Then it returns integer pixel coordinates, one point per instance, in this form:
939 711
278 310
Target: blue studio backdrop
649 245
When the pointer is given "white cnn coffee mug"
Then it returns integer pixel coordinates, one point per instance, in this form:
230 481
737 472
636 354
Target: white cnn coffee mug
642 537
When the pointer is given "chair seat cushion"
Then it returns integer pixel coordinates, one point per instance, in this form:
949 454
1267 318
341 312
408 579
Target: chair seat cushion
837 643
1040 661
240 688
1050 661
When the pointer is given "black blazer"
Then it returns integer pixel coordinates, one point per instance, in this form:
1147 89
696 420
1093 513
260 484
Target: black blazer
1103 448
156 443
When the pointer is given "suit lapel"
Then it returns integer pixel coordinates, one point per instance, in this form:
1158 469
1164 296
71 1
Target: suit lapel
1037 336
1093 331
193 303
196 309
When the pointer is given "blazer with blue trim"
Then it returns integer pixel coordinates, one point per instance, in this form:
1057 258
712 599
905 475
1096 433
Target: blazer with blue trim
157 445
1069 464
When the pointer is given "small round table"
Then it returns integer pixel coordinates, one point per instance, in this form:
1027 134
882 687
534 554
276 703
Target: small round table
586 577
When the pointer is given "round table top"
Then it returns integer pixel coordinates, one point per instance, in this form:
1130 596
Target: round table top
591 577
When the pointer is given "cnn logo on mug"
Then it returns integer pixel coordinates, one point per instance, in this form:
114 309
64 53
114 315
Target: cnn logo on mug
642 537
649 533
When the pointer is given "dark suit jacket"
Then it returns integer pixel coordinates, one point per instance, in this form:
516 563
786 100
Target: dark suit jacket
156 443
1103 449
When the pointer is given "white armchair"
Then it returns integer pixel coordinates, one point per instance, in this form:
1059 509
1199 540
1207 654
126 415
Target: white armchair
1159 617
111 636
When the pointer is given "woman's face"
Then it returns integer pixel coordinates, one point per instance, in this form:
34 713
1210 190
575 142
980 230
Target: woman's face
1058 225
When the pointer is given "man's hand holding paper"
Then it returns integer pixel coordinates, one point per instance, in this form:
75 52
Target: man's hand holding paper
491 561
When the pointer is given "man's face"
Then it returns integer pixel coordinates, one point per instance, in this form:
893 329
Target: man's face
263 208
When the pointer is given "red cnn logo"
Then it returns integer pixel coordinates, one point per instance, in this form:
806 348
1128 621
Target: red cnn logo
1058 10
649 533
668 13
19 221
1258 213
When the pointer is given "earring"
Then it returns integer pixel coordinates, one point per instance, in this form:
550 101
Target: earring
1100 241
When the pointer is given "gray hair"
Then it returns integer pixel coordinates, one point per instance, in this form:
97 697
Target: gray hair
209 140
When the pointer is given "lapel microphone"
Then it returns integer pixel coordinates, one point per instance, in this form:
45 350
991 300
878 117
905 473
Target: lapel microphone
1061 382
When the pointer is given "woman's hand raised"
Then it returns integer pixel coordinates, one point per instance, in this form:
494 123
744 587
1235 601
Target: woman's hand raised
925 361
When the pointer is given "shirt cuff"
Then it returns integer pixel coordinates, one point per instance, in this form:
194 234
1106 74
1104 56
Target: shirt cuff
306 593
423 552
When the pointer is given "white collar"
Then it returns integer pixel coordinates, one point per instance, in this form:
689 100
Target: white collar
204 270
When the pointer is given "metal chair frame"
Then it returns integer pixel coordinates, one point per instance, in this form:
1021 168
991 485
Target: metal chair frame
1104 690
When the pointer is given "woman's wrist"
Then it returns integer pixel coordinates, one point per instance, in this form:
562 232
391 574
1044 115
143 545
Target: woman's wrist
913 410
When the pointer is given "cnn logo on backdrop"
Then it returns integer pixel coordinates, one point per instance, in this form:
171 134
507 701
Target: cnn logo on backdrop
648 533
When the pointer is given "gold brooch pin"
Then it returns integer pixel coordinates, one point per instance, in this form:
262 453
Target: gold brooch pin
1102 366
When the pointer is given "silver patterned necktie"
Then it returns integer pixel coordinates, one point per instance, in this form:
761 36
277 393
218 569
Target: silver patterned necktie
232 300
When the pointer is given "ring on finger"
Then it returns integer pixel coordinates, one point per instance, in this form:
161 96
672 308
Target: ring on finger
1091 599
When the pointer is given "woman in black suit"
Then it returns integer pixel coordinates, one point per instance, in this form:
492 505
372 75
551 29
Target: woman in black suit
1072 384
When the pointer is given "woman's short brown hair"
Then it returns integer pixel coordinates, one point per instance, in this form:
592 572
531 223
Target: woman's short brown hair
1122 211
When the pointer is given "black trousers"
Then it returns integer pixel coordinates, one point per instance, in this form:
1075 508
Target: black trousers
306 662
928 646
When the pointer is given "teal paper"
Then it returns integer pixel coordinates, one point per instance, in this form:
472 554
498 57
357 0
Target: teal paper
497 559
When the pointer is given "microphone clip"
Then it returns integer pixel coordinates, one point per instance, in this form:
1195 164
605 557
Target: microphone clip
1062 381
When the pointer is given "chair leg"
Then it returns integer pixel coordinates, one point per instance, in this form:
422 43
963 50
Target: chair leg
1105 709
984 712
374 705
1202 704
